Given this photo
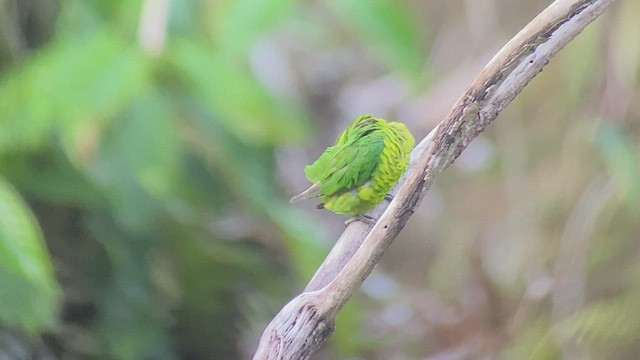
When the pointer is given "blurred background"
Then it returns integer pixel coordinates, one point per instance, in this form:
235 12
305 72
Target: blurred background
148 149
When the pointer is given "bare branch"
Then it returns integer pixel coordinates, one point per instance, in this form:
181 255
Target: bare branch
305 323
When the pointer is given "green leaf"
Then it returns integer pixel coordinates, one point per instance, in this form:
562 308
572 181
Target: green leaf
240 23
137 162
149 144
25 108
109 78
29 290
49 175
387 25
235 98
67 84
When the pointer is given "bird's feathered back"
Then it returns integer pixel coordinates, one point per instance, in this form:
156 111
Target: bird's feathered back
356 158
352 160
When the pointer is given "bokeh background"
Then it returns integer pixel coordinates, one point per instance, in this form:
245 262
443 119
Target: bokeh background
148 149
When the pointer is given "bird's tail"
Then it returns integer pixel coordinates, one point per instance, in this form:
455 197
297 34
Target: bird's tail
311 192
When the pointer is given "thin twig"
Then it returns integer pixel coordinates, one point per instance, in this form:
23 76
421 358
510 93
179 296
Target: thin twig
306 322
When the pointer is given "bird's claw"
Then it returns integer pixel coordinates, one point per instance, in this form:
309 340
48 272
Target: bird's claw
388 197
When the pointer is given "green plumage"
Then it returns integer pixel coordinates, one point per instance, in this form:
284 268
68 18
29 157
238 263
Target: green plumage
355 174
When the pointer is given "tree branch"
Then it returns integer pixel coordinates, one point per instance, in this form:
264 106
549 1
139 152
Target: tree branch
305 323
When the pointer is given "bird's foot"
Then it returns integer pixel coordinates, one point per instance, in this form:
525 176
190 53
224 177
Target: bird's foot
388 197
364 218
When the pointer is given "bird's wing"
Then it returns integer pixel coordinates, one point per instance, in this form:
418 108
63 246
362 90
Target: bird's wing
348 166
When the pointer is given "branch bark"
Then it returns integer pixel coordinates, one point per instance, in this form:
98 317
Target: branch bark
307 321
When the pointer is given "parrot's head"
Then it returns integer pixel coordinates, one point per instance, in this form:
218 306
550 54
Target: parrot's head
406 139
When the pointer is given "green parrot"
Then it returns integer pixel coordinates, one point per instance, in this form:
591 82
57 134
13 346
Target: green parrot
354 175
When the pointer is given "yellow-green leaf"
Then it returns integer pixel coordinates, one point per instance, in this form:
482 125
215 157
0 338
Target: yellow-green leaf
29 290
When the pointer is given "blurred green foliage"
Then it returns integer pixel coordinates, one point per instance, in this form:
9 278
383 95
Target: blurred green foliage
145 163
30 292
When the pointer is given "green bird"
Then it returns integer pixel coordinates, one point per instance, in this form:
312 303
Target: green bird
354 175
